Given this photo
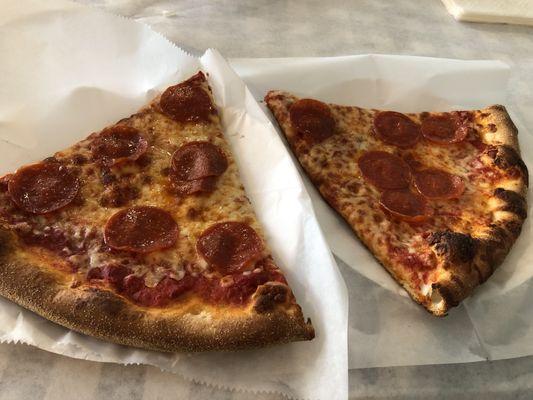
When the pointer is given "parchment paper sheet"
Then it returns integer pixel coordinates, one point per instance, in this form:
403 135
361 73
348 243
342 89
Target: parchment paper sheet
68 70
385 327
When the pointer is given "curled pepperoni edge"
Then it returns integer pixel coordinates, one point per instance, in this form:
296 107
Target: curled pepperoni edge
187 101
168 289
460 133
457 185
141 145
364 161
215 156
209 236
164 242
425 210
202 185
16 194
380 130
319 133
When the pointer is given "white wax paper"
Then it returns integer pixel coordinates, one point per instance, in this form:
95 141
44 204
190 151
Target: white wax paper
385 327
68 70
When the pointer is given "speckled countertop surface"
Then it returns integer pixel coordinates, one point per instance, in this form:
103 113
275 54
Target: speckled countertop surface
302 28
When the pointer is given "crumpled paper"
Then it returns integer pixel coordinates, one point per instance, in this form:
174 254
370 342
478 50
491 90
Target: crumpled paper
72 70
385 327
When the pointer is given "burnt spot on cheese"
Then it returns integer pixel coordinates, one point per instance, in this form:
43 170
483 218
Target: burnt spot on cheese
378 218
78 159
192 213
454 246
118 195
106 176
354 187
144 160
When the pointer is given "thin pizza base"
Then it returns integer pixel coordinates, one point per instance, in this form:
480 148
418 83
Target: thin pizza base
42 280
190 325
464 257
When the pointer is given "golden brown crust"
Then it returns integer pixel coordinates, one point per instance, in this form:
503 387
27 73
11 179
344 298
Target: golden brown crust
509 212
104 314
466 259
40 276
502 138
506 134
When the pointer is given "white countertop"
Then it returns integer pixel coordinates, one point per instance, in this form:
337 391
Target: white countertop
302 28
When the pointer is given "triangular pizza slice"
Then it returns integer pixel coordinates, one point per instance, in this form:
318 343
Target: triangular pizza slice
142 234
439 198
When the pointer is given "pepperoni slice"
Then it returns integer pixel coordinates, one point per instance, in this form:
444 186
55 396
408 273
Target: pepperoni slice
434 183
197 160
384 170
312 119
141 229
119 143
406 205
444 129
396 129
44 187
202 185
230 246
187 102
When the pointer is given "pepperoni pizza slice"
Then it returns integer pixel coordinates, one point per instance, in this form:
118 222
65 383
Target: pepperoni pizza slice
142 235
439 198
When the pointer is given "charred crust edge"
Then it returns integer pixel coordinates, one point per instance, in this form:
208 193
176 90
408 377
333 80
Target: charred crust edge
268 296
514 202
106 315
450 293
455 247
469 260
505 157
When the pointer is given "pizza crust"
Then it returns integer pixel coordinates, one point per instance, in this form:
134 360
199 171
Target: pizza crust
48 281
104 314
465 259
507 134
509 210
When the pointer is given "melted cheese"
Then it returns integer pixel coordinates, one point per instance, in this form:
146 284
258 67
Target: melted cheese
83 224
332 165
